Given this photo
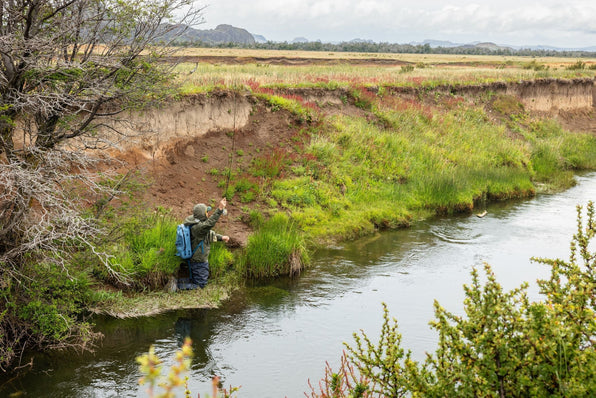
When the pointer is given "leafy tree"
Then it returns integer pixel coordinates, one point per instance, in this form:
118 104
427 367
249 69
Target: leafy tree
69 69
504 346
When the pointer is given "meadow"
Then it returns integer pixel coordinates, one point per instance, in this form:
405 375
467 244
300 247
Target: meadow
204 69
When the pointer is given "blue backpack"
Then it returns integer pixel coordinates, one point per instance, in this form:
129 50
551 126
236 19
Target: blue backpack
183 243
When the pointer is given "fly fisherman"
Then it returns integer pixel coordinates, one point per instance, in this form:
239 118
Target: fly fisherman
201 237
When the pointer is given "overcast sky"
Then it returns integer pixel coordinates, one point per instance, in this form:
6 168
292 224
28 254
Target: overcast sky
570 23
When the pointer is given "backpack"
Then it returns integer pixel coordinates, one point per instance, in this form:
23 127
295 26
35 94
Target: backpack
183 243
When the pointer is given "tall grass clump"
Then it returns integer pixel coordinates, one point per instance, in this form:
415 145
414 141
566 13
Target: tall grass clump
276 248
556 153
144 249
220 260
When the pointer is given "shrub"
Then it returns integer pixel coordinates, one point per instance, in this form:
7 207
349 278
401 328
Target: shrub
43 312
406 68
505 345
578 65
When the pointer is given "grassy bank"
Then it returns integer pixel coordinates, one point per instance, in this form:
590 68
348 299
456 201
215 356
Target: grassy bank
397 160
377 159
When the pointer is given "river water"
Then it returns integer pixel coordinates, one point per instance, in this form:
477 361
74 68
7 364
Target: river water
271 340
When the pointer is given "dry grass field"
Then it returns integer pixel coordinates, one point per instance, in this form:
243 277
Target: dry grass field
201 69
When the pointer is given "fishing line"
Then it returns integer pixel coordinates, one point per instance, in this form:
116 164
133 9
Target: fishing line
231 163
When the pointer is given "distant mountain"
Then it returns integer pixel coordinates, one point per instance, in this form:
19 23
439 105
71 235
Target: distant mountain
221 34
493 46
449 44
438 43
259 38
361 41
300 40
551 48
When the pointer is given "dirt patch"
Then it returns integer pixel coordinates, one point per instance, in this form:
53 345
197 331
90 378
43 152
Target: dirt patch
583 120
190 170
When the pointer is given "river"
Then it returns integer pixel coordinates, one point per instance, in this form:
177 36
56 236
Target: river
271 340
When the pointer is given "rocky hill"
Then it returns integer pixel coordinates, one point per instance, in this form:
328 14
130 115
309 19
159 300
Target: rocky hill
220 35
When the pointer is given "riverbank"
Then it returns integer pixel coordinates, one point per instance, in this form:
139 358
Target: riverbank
132 305
344 163
252 338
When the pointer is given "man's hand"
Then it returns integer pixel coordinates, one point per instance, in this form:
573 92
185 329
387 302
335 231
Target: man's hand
223 203
225 238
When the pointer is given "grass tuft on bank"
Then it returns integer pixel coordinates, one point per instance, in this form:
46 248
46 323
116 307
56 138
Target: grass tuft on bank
276 248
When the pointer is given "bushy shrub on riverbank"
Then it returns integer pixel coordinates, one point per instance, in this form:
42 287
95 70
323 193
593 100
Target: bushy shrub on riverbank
43 312
504 346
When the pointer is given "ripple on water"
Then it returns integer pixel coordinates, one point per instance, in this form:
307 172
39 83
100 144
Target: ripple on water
456 234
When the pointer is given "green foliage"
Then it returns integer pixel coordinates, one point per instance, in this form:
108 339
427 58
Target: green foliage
51 302
44 311
578 65
276 248
292 105
150 367
301 192
269 165
404 159
504 345
508 105
556 153
535 66
244 185
406 68
220 260
545 162
383 362
145 249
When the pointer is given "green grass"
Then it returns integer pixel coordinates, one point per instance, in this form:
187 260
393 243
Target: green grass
276 248
146 253
360 173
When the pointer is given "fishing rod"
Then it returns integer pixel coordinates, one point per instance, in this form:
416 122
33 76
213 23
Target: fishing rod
231 161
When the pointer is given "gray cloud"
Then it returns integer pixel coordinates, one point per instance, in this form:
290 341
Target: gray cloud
570 24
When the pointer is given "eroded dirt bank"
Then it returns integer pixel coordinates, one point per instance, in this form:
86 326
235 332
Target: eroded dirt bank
189 146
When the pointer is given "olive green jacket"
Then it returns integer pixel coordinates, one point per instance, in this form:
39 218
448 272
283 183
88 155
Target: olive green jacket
200 230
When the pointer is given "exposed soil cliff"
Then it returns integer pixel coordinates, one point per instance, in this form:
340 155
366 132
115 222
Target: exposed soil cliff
190 145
